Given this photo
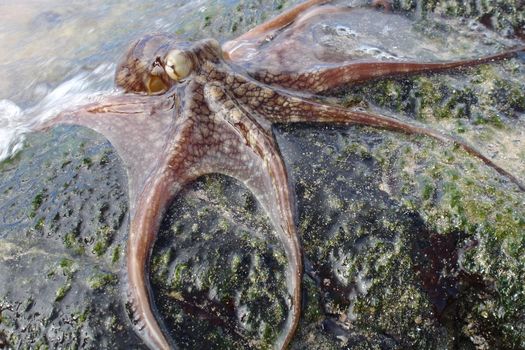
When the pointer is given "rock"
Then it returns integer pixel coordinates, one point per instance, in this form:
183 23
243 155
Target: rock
408 243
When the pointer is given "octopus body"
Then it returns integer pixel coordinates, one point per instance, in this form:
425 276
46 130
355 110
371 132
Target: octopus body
197 108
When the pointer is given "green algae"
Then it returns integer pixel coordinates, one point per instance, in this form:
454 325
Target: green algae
37 202
68 268
457 201
181 270
484 99
58 239
504 16
62 291
214 275
104 237
102 280
72 241
492 213
115 256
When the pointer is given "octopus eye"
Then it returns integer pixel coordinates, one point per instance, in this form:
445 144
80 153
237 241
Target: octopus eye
178 65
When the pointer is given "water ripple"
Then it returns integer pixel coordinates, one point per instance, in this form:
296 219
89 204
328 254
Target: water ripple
83 88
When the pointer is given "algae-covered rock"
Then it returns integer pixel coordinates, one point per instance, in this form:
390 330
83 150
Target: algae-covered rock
504 16
58 197
408 242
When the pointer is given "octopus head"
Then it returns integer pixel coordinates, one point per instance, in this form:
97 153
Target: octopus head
155 63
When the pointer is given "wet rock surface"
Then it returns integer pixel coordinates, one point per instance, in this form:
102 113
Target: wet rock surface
62 234
408 243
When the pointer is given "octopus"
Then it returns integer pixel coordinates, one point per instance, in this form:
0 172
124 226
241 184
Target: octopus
191 109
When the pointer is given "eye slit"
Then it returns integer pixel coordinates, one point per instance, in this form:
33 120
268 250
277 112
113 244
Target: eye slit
156 85
157 62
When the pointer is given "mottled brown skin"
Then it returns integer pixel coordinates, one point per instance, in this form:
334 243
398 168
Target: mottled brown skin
218 120
140 70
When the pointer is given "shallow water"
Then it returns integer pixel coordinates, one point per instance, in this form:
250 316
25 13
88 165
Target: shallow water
58 54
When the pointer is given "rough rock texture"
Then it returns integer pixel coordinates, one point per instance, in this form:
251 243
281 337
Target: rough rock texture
504 16
62 233
408 243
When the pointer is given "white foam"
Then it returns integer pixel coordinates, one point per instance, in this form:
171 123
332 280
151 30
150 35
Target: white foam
83 88
12 129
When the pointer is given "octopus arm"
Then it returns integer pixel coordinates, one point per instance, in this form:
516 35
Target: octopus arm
330 77
137 126
220 142
189 158
248 44
321 45
250 154
151 205
284 108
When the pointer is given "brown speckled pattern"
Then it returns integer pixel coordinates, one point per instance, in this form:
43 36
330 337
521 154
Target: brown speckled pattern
218 120
142 61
